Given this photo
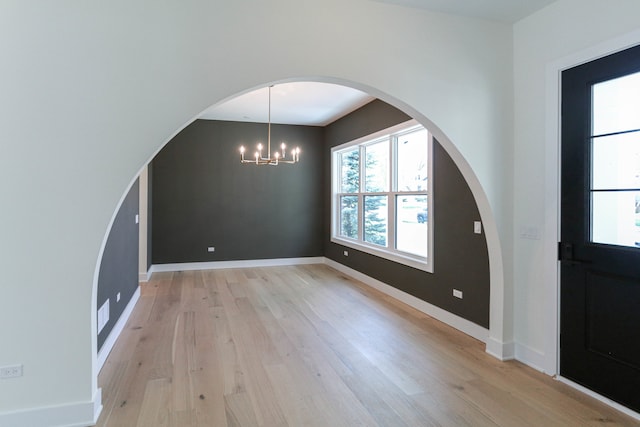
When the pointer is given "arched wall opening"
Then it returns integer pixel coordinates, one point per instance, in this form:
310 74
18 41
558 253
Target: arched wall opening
495 330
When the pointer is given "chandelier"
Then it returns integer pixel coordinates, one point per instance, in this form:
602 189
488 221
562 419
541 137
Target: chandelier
278 156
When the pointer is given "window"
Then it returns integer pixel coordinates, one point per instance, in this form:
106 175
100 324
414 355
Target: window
381 195
615 161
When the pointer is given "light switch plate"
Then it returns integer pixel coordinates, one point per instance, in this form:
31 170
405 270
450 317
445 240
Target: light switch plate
14 371
530 232
477 227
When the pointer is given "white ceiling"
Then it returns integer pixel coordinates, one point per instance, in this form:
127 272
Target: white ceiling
298 103
318 104
498 10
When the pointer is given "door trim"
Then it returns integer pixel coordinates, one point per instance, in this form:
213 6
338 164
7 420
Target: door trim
551 233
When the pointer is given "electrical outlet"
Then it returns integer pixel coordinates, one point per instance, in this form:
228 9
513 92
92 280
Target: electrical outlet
14 371
211 249
457 293
346 253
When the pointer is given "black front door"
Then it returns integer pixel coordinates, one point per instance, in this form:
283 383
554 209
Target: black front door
600 227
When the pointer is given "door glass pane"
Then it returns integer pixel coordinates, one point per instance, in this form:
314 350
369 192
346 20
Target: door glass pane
349 216
350 171
412 224
375 219
616 104
412 161
615 218
377 167
616 161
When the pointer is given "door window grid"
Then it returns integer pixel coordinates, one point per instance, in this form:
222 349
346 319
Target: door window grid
615 162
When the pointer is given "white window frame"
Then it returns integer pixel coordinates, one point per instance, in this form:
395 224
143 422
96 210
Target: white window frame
389 252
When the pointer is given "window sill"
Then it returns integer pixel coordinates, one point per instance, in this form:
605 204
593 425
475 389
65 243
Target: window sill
400 258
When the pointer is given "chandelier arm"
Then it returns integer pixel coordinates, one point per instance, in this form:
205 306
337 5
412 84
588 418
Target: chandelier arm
264 161
268 161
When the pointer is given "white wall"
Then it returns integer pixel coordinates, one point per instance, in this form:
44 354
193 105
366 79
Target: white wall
562 35
91 90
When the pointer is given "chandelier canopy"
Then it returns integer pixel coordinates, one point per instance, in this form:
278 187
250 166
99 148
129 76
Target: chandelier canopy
278 156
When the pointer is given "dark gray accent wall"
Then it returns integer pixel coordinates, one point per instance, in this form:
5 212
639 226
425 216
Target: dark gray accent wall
201 195
149 216
119 266
372 117
461 257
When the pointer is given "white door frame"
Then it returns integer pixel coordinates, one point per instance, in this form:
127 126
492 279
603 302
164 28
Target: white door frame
551 272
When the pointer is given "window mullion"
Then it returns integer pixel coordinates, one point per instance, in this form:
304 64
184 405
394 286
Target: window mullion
391 200
338 184
361 181
362 169
393 154
391 226
361 217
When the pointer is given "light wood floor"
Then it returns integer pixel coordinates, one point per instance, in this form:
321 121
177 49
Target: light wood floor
307 346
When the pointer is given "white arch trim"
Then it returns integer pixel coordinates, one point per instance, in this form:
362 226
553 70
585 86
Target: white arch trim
495 344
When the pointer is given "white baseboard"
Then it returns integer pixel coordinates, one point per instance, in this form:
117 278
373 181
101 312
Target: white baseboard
530 357
457 322
516 351
606 401
214 265
501 350
144 276
108 344
72 415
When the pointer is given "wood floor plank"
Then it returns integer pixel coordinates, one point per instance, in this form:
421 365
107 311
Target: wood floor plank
239 410
448 409
183 362
254 348
296 406
307 346
154 411
207 375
